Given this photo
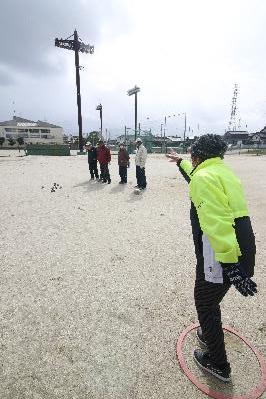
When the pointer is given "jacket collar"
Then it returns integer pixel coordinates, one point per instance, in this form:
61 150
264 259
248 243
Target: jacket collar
205 164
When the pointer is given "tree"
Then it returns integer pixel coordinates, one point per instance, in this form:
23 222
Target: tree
20 141
2 140
11 141
94 137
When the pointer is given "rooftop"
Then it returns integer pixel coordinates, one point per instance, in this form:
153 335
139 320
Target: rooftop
22 122
236 132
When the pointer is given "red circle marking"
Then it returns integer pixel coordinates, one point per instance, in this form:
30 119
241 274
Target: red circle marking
254 394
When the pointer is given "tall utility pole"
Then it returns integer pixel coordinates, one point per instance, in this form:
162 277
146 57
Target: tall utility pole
100 108
77 46
130 92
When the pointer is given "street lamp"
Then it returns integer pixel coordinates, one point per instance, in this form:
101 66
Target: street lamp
185 124
185 127
100 108
164 138
130 92
77 46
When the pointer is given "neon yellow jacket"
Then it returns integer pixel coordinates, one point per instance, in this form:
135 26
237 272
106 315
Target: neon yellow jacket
219 199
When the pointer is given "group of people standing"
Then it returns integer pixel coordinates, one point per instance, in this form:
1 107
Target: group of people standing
101 153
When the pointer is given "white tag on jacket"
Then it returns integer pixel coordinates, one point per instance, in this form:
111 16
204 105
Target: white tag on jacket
212 269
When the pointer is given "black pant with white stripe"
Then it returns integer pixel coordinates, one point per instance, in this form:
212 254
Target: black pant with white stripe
207 300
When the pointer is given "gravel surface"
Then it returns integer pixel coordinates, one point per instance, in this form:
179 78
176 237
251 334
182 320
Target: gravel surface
97 282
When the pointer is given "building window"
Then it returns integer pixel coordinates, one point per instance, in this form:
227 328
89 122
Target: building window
22 130
11 135
47 136
45 130
24 135
35 136
11 130
34 130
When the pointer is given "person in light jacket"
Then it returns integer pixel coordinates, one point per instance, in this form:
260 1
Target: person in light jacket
140 160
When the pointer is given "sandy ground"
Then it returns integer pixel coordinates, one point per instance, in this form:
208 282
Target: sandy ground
97 282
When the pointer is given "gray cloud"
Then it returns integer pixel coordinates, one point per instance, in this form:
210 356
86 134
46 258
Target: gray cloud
30 27
6 78
179 66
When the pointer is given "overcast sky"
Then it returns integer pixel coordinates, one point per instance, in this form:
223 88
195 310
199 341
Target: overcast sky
185 55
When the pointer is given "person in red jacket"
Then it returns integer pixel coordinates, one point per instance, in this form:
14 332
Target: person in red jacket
123 163
104 158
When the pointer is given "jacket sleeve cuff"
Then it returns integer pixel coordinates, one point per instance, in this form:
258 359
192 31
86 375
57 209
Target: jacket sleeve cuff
228 266
186 166
227 257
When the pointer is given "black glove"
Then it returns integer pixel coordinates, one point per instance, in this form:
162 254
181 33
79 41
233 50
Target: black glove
239 279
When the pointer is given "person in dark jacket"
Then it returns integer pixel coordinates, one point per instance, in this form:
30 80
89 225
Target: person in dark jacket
224 245
104 158
123 163
92 160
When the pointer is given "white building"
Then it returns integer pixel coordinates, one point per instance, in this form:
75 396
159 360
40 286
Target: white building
32 132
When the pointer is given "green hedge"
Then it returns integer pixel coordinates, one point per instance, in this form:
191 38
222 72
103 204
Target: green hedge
44 149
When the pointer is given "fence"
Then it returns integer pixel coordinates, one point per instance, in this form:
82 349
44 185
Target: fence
258 149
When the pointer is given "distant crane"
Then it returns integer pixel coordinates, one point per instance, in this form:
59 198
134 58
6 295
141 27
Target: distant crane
232 122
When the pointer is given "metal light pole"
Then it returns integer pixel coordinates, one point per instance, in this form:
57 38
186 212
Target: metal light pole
185 127
77 46
185 130
100 108
130 92
126 130
164 146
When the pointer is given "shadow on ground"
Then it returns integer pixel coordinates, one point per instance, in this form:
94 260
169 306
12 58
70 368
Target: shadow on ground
91 185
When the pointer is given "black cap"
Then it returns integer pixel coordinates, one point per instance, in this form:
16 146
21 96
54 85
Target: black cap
209 146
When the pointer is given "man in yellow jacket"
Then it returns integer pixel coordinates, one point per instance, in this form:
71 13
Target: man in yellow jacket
224 244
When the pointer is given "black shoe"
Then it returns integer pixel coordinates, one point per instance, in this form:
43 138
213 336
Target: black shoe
121 182
200 338
203 360
136 186
109 181
104 181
